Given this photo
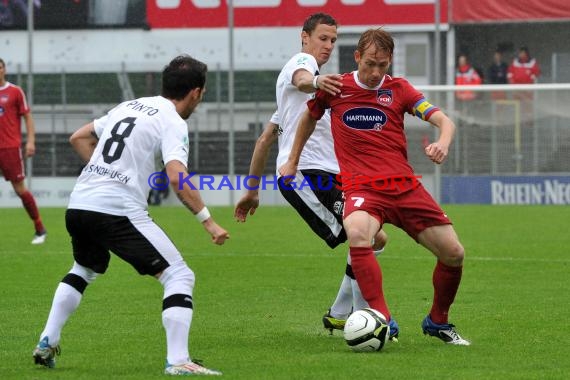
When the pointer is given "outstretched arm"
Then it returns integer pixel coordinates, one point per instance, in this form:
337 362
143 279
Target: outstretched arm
437 151
190 197
306 82
249 202
305 129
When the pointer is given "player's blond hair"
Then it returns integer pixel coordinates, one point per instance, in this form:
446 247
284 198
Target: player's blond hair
380 38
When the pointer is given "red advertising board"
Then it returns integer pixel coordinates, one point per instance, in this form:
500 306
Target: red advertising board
470 11
283 13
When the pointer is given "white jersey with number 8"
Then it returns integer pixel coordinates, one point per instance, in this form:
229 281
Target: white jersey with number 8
133 137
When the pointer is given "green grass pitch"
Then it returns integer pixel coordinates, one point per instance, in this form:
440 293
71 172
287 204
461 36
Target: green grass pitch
259 300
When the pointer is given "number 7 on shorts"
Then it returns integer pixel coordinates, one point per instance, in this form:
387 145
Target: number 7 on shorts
358 201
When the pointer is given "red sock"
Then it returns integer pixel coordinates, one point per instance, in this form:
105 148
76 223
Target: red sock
446 281
369 278
30 205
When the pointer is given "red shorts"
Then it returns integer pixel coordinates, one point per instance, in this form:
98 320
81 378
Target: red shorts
12 164
413 211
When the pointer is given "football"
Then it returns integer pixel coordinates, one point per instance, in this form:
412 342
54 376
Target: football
366 330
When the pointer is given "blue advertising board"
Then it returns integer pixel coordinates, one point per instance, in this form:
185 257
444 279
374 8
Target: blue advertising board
507 190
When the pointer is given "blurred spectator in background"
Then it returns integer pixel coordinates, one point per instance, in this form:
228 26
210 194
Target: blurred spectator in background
466 75
523 69
14 13
65 14
466 106
61 14
497 74
117 12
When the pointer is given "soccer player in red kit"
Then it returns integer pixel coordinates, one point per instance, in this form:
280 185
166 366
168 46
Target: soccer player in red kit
13 107
380 186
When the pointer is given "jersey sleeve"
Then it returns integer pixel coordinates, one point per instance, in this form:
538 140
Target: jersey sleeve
275 118
23 107
318 104
303 61
417 104
99 125
175 144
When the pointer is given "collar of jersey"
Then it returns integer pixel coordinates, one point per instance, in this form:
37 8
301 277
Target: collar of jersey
362 85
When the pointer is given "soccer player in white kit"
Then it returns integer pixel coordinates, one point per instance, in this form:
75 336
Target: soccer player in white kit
321 204
108 208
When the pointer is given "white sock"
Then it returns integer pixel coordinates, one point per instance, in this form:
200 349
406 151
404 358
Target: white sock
65 302
176 322
178 281
342 306
358 300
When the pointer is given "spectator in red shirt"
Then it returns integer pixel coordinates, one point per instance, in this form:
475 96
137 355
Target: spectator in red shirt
466 75
523 69
13 107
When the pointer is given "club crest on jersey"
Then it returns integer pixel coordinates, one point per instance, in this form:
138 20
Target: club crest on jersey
4 99
384 97
364 118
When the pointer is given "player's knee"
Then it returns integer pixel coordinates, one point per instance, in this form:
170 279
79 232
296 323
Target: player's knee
87 274
358 237
20 191
178 278
79 277
453 254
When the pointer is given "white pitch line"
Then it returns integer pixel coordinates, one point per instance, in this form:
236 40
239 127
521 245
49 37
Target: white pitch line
384 256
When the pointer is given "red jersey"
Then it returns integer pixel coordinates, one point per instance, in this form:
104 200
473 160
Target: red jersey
13 106
523 72
368 125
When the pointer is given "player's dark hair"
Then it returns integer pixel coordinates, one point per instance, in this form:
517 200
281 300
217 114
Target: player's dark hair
2 62
182 75
316 19
380 38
